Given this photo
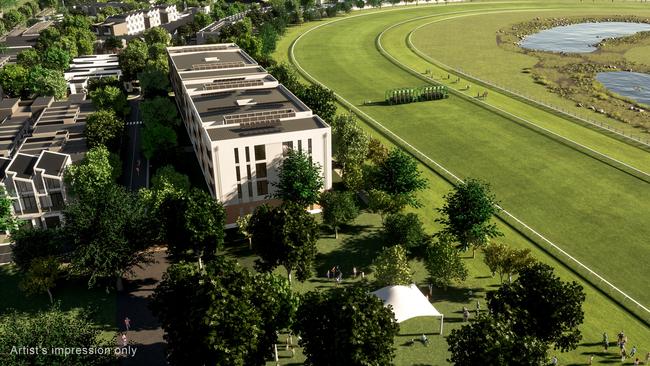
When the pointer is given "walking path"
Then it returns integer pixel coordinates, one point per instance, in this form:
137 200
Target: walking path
145 333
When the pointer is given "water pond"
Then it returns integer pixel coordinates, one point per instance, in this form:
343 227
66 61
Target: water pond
579 38
633 85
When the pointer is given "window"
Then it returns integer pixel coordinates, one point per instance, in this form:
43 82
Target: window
309 146
52 183
237 173
248 155
237 156
250 189
260 152
300 145
260 170
262 187
29 204
248 172
286 146
239 191
57 201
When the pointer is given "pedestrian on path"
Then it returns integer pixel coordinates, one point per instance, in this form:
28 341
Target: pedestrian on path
465 314
606 341
354 271
127 323
125 341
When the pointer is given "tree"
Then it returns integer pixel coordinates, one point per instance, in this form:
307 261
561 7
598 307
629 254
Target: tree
194 225
160 110
391 267
113 43
269 37
12 18
506 261
29 58
91 175
46 82
382 203
542 306
243 223
56 58
154 78
284 236
112 98
443 262
406 230
466 214
321 101
491 341
41 276
103 128
156 138
300 180
286 75
202 20
13 80
338 208
167 182
157 35
52 329
110 232
133 59
352 148
29 244
345 326
7 220
223 314
377 152
398 175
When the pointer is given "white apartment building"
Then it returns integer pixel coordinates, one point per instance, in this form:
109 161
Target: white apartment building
84 68
136 21
242 123
168 13
151 18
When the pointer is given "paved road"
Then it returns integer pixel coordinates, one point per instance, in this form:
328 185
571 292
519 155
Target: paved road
145 332
135 165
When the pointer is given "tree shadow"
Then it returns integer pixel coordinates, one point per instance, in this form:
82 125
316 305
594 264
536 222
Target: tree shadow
358 251
457 294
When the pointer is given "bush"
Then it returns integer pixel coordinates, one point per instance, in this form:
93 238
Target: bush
29 244
407 230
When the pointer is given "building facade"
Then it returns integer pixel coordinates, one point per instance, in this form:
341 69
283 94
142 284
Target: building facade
84 68
136 22
242 123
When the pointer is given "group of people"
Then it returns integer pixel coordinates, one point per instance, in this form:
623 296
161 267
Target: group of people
621 341
336 274
466 311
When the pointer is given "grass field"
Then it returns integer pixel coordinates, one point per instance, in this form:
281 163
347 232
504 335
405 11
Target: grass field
575 200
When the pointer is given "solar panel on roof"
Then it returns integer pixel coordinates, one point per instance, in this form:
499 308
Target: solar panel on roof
219 65
232 84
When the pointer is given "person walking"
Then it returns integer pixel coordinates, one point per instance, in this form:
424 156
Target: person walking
633 351
125 341
554 361
354 271
465 314
606 341
127 323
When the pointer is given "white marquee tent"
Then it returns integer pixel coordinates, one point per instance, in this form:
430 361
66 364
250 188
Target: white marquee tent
407 302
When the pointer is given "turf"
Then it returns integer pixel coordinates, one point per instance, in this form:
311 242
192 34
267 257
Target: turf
344 58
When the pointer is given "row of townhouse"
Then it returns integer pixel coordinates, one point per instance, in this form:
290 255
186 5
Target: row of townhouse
242 123
38 140
84 68
137 21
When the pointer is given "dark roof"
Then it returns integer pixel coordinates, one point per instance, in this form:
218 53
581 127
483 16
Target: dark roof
8 103
23 166
4 162
221 73
185 61
290 125
52 163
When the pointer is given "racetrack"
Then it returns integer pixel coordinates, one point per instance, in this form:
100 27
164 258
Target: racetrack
589 208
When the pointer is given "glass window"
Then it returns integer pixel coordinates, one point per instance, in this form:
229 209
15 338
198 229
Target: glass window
237 173
248 171
260 170
236 156
309 146
248 155
250 189
29 203
286 146
239 191
52 183
57 201
260 152
299 145
262 187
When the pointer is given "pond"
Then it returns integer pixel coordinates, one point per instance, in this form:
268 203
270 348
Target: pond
633 85
579 38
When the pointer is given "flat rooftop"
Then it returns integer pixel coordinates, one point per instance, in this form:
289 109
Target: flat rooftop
277 126
217 59
23 166
52 163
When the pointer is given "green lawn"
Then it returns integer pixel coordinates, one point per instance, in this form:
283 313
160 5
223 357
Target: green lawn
594 211
70 293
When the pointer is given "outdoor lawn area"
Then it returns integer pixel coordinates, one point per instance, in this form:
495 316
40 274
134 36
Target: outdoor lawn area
69 293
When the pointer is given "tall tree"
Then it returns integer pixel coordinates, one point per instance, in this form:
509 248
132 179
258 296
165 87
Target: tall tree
160 110
154 78
467 212
91 175
284 236
243 225
52 329
165 183
506 261
28 58
351 150
541 305
443 262
46 82
29 244
407 230
398 175
202 20
7 220
56 58
346 326
103 128
110 232
391 267
42 276
133 59
157 138
157 35
300 180
491 341
223 314
110 97
382 203
286 75
321 101
13 80
338 208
